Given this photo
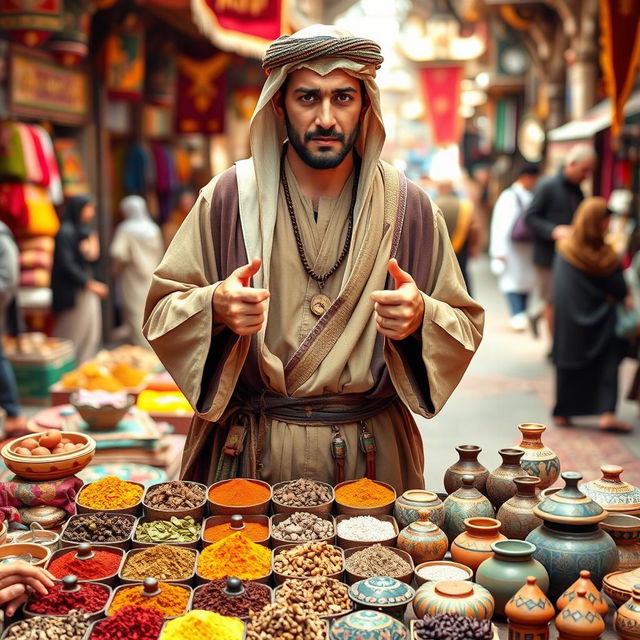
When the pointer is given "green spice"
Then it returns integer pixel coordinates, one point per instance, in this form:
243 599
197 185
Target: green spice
174 530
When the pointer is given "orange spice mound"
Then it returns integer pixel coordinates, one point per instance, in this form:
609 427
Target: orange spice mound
234 556
364 493
252 530
239 493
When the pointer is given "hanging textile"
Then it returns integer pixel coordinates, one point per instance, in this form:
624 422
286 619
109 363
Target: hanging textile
70 45
74 179
13 207
31 22
55 182
136 170
441 87
31 160
161 75
12 166
245 101
42 217
124 61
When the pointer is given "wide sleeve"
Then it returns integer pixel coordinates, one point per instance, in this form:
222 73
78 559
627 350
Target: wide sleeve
537 212
427 366
505 212
120 250
66 261
204 360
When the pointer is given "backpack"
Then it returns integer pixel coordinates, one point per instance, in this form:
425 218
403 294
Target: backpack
520 232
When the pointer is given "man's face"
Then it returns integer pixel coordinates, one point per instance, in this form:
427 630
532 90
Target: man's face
580 170
322 116
528 181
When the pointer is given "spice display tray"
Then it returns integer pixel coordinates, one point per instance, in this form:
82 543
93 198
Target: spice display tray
346 543
245 618
446 563
328 616
354 577
321 509
213 521
137 544
97 622
109 581
266 579
277 518
7 630
92 616
183 581
414 636
123 544
197 513
260 508
281 577
134 510
348 510
128 586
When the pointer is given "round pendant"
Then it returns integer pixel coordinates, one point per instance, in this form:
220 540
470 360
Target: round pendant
319 304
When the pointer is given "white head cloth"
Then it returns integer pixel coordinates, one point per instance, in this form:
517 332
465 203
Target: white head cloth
137 220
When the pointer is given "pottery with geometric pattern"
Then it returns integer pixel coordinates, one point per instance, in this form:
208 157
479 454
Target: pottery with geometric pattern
538 460
626 620
500 486
583 583
516 514
466 465
453 596
529 613
579 620
473 545
466 502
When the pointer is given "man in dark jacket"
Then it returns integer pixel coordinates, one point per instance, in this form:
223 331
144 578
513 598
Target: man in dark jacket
550 214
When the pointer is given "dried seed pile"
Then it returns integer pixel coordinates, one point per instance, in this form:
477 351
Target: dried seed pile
319 595
303 527
276 622
453 627
169 496
309 559
302 493
377 561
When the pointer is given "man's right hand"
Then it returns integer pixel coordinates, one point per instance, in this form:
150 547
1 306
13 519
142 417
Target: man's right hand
239 306
561 231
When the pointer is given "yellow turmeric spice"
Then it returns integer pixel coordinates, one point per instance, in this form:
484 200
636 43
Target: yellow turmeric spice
203 625
234 556
364 493
110 493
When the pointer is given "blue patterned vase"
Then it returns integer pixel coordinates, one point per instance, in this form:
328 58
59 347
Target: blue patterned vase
466 502
538 460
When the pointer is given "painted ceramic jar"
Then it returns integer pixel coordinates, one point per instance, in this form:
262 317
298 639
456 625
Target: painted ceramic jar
453 596
412 503
579 620
473 545
626 620
570 539
508 569
467 465
583 583
466 502
516 514
500 485
384 594
423 540
618 585
625 531
612 493
529 613
368 625
538 460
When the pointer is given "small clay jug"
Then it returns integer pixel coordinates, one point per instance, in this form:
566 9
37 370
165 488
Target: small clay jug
500 486
423 540
466 502
516 514
626 620
538 459
583 583
529 612
579 620
473 545
412 503
467 465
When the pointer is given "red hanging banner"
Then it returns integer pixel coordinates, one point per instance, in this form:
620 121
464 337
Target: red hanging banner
441 88
620 52
31 22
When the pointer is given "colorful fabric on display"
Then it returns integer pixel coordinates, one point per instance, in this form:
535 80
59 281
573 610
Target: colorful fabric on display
441 87
35 259
71 44
12 166
74 179
183 166
124 61
31 22
31 161
161 75
136 170
55 182
42 161
166 179
35 277
13 206
54 493
201 90
42 217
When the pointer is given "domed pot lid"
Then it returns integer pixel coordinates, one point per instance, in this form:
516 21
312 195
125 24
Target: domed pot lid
368 624
420 498
611 492
570 505
381 591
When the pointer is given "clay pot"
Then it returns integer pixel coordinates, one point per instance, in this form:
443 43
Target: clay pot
612 493
500 485
618 585
516 514
529 612
466 502
579 620
626 620
508 570
473 545
625 531
583 583
538 460
423 540
411 504
467 465
453 596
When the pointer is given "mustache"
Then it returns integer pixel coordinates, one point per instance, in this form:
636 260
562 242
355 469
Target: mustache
324 133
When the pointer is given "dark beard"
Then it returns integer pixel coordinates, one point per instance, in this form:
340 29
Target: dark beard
329 160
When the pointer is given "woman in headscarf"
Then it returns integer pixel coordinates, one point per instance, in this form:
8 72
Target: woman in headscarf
136 250
588 283
76 292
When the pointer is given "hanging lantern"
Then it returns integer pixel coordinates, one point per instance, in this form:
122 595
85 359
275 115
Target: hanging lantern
30 22
71 44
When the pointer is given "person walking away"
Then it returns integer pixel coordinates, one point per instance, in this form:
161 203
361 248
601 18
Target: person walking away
511 245
588 283
76 293
185 199
136 250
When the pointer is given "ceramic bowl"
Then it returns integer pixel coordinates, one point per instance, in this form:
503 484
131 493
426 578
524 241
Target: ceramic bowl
123 543
202 586
326 616
142 587
154 513
133 510
49 539
354 577
259 508
623 528
52 467
443 564
383 509
281 577
101 418
213 521
368 625
35 554
95 615
319 509
280 517
387 595
618 585
347 543
138 544
183 581
110 580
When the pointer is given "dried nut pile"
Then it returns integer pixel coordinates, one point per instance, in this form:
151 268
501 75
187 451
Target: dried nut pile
366 529
324 596
173 530
453 627
99 527
73 626
302 493
276 622
377 561
309 559
302 527
175 495
438 572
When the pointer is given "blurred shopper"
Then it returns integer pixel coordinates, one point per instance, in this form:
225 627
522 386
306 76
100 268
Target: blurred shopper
136 250
511 246
588 283
185 199
76 292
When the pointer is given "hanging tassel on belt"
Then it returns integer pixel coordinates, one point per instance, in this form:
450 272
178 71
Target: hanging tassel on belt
368 447
339 453
233 446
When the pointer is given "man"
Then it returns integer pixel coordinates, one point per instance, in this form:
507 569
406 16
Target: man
311 298
550 214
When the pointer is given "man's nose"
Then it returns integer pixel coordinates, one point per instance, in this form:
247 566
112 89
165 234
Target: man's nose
325 117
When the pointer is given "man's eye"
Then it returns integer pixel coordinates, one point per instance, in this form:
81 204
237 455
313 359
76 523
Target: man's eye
307 98
344 97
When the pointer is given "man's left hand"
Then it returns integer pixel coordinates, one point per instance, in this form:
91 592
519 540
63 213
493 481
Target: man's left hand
398 312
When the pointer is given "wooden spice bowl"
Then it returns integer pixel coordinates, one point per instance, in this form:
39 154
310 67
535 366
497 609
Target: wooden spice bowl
153 513
128 586
213 521
96 615
123 544
38 552
281 577
346 543
413 634
137 544
277 518
378 510
133 510
354 577
110 580
319 509
259 508
243 618
182 581
420 580
326 616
